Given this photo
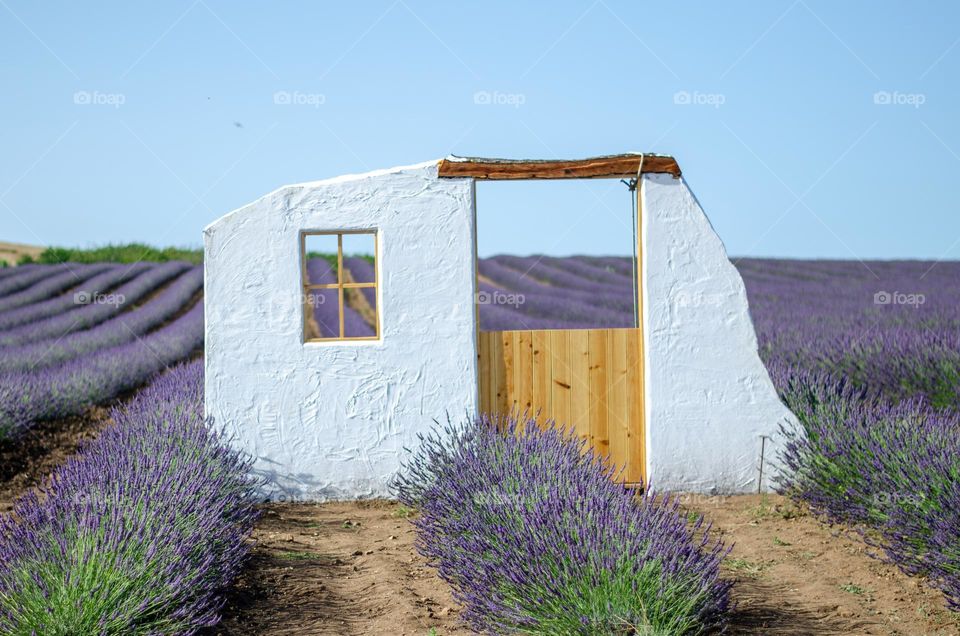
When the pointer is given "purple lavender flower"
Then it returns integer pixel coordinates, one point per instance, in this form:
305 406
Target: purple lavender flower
535 536
139 533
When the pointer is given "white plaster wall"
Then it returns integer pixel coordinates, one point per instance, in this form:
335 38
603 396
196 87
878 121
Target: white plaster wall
331 420
709 397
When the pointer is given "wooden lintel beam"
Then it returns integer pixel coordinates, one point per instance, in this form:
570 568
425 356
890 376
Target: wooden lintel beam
612 166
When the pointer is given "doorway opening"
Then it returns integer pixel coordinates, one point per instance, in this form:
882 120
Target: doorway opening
563 337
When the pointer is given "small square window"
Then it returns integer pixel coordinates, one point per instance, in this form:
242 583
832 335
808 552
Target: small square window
339 271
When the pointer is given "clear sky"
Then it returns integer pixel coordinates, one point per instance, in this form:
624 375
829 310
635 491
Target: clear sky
806 128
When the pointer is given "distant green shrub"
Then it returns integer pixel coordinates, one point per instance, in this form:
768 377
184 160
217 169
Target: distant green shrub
125 253
25 259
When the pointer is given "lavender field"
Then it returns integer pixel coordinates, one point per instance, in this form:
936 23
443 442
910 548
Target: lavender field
865 354
89 333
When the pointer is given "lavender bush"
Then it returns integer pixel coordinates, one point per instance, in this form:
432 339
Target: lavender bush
140 533
890 467
535 537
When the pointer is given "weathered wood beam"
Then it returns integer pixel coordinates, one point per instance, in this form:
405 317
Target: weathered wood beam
611 166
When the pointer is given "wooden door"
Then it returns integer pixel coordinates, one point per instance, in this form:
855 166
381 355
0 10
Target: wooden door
588 380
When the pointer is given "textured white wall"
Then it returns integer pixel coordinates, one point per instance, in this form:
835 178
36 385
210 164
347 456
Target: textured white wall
330 420
709 397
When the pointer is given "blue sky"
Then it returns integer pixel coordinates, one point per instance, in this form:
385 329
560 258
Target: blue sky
806 128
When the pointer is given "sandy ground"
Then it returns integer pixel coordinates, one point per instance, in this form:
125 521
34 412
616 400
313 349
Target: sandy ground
798 576
10 252
350 568
340 568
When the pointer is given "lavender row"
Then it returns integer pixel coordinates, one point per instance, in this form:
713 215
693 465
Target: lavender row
23 277
515 281
621 265
541 268
124 328
534 536
102 299
9 270
139 533
591 271
362 272
545 307
51 286
57 304
27 397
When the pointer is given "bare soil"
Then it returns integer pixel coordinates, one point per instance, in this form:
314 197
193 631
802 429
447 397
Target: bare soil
350 568
30 457
339 568
797 576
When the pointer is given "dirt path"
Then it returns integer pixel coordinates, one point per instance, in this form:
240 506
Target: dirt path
26 460
797 576
350 568
339 568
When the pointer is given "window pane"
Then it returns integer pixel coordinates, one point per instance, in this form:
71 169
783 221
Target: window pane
360 319
322 316
354 325
359 256
321 255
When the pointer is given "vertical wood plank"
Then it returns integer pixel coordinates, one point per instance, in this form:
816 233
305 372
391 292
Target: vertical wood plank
523 371
498 371
580 398
561 381
509 384
541 375
599 382
617 398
